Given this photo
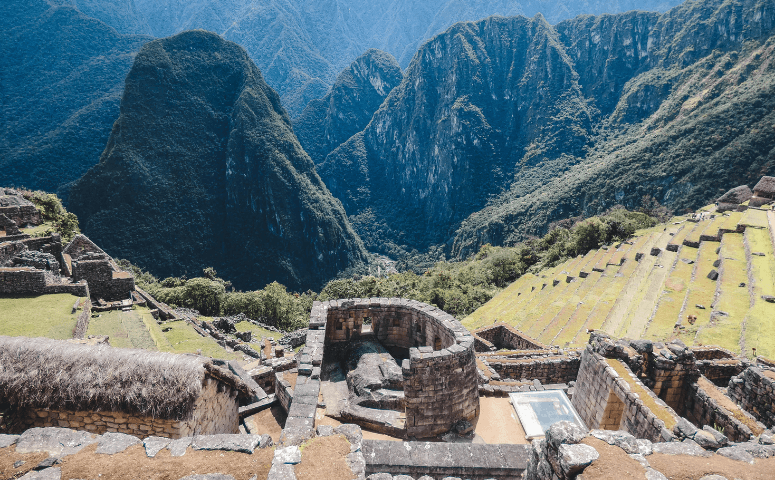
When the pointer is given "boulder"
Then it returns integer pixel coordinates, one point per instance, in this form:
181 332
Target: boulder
564 433
575 458
620 439
736 453
54 440
111 443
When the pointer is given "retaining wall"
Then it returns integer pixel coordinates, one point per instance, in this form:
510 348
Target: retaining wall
605 400
83 320
703 409
500 336
754 390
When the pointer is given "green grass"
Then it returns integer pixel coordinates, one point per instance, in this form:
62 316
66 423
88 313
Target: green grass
38 230
125 329
38 316
258 332
755 218
658 410
676 288
701 292
760 323
725 331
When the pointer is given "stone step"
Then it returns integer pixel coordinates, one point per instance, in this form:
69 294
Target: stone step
693 237
623 304
675 291
760 322
733 301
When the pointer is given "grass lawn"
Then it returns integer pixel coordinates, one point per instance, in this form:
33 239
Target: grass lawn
38 316
125 329
38 230
258 332
180 337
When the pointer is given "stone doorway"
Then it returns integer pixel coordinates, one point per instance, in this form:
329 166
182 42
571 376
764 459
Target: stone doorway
612 415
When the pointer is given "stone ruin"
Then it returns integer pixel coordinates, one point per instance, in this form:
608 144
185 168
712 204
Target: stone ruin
17 209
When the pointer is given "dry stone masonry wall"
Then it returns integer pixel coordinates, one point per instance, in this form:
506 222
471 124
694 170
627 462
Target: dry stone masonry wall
504 336
754 391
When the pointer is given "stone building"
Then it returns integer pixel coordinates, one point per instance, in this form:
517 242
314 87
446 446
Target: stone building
18 209
103 389
89 262
763 192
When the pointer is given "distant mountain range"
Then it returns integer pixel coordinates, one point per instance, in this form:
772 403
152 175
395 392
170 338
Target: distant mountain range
202 169
301 45
505 125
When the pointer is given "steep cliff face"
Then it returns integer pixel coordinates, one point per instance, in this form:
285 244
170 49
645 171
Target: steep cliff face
202 169
62 76
301 46
358 92
476 103
505 125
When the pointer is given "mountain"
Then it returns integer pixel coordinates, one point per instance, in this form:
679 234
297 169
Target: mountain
502 126
202 169
347 108
301 46
62 78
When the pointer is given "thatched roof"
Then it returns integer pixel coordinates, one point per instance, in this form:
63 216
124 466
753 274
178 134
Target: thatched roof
765 186
45 373
737 195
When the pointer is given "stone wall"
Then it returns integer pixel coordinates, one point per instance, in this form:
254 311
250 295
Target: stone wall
283 391
215 411
754 391
598 384
721 371
83 320
503 336
22 280
8 250
441 460
103 281
556 369
702 409
440 379
22 214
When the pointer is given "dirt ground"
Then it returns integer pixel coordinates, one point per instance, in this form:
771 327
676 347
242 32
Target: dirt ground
270 422
322 419
325 458
134 464
498 422
614 464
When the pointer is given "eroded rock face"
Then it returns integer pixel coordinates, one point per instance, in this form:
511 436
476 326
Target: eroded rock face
203 169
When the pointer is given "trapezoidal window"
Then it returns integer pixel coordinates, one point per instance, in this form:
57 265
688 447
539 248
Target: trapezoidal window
437 343
612 415
366 325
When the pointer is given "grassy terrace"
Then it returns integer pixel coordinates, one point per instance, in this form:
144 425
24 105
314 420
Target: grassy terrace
560 318
701 291
676 288
725 330
646 298
760 322
754 218
38 316
693 236
125 329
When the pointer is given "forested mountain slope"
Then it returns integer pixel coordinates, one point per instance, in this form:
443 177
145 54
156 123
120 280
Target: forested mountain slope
301 45
203 169
504 125
61 80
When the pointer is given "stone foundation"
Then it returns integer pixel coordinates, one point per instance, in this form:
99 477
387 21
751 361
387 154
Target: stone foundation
215 411
503 336
702 409
556 369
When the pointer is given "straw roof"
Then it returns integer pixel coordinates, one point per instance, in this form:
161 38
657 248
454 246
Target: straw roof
737 195
765 186
45 373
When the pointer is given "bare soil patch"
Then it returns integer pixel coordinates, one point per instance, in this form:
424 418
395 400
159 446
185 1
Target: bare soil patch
133 463
325 457
498 422
613 463
684 467
269 422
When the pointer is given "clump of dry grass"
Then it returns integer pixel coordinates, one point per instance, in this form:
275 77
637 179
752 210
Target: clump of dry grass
45 373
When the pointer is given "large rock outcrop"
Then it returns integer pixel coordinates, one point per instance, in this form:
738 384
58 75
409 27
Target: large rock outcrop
203 169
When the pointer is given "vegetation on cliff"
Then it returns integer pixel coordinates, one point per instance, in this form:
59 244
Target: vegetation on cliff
459 288
503 126
203 168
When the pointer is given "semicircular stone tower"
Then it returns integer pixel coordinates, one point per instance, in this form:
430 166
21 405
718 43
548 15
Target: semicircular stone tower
436 385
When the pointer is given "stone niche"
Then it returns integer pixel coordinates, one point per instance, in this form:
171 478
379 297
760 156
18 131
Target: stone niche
404 357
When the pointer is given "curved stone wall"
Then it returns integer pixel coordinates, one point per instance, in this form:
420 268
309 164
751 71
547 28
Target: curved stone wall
440 380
